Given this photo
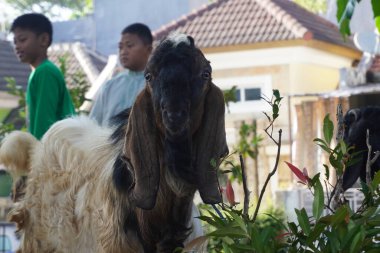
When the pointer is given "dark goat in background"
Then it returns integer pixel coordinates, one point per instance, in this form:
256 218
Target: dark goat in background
356 122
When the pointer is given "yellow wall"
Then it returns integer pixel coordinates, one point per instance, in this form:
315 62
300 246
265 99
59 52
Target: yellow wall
301 71
312 78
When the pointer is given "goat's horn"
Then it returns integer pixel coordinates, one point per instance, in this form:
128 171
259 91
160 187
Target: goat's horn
355 113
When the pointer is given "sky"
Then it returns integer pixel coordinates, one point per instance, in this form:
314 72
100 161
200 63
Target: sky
7 13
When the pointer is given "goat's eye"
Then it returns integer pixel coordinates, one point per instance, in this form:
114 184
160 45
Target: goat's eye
148 77
206 74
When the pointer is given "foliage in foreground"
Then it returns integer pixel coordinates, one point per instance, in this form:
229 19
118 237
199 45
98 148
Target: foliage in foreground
332 227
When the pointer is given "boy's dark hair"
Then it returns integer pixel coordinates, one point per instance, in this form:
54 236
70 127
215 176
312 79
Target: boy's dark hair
34 22
141 30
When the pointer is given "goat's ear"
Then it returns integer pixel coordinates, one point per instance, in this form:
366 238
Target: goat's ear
191 40
141 151
210 145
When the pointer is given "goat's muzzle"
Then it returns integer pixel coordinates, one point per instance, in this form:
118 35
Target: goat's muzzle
176 122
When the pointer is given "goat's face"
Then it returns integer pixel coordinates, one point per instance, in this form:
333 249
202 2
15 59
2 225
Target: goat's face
178 75
356 123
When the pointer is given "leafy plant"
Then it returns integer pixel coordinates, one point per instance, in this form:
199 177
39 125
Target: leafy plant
230 96
77 83
233 228
346 9
332 227
343 229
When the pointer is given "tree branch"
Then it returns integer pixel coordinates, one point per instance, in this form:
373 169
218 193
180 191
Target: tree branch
269 175
245 187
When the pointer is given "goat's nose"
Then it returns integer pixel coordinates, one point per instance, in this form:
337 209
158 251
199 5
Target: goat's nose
174 116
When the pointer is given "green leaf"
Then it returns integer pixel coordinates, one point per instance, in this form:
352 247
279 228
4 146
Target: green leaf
322 144
373 232
316 232
376 180
210 221
232 232
356 242
377 22
374 221
275 111
364 188
319 198
340 215
352 239
256 243
345 27
239 220
327 172
328 129
334 242
276 94
226 248
303 220
341 4
376 8
343 146
293 227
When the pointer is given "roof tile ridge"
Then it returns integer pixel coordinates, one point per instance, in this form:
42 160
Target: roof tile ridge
185 18
292 24
61 46
82 56
97 55
316 16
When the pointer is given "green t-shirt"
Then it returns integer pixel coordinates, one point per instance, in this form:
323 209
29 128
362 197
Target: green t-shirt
47 98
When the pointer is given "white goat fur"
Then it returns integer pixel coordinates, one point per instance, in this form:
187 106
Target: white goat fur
70 203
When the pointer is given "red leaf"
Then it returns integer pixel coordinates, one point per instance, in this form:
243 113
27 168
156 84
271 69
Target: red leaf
280 236
230 193
297 172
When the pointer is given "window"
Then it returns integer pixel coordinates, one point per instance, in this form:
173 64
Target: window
5 243
237 95
252 94
248 92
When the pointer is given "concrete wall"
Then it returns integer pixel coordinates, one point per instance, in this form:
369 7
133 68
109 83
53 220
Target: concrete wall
81 30
101 31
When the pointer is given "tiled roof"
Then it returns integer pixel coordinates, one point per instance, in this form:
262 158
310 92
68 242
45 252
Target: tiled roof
78 58
10 66
239 22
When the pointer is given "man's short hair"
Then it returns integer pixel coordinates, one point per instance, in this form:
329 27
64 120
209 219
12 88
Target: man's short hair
142 31
34 22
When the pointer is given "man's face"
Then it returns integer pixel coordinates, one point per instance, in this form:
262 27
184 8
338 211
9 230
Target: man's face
28 46
133 53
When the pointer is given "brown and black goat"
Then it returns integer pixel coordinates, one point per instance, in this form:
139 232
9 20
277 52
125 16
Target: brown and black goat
94 189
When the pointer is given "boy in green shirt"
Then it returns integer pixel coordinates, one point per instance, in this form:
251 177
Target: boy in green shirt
47 97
